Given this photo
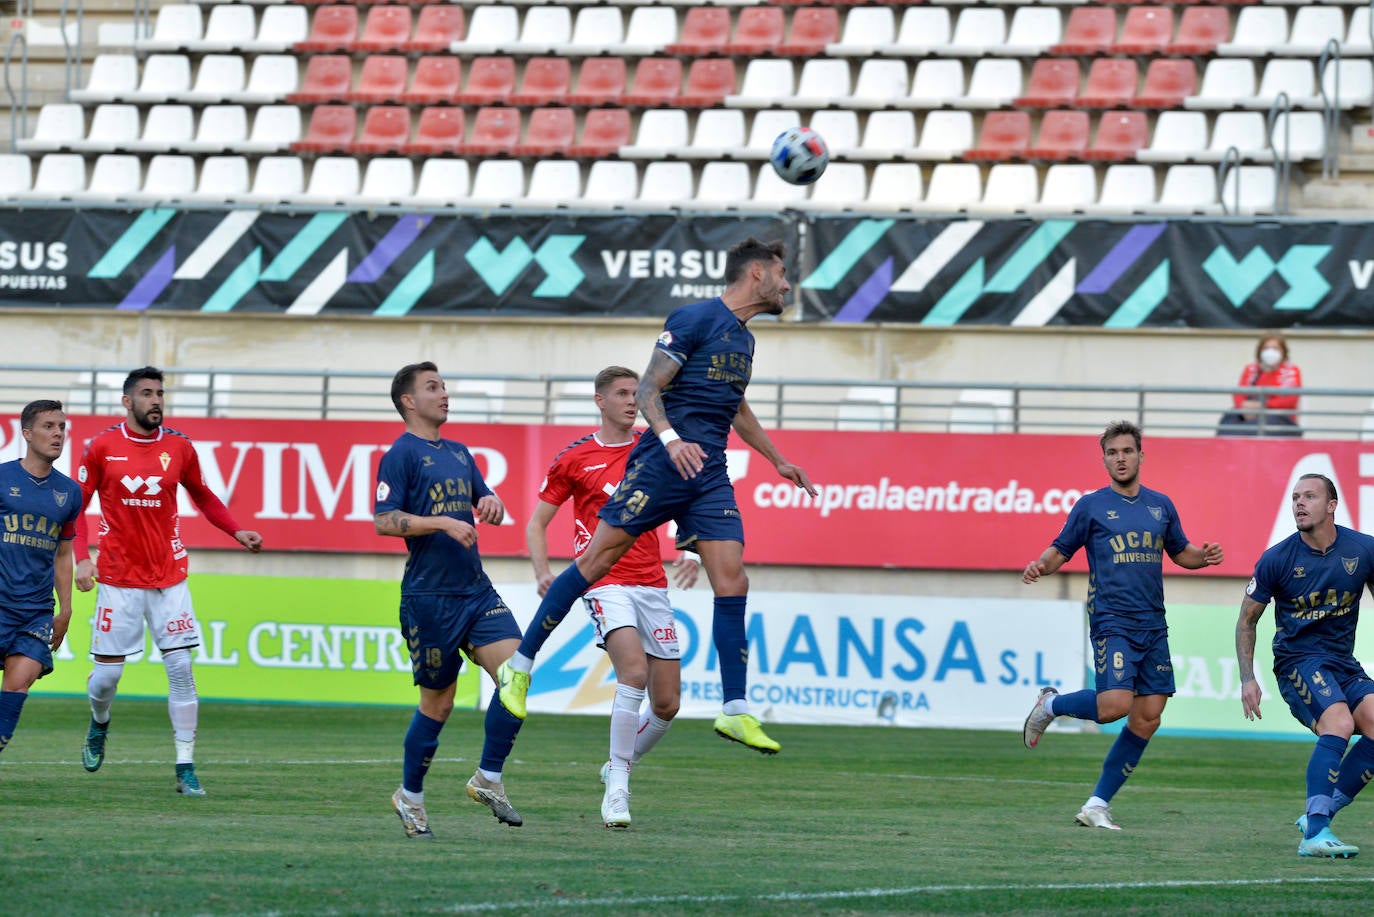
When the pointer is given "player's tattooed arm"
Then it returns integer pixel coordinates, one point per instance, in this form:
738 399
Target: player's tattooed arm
1250 612
649 395
393 522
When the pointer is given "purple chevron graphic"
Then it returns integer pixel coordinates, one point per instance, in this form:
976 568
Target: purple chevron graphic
406 230
868 295
150 287
1121 257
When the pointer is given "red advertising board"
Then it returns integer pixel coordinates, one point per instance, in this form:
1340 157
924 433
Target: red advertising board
916 500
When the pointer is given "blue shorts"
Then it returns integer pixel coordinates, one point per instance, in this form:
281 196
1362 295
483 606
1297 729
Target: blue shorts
653 491
1312 684
1139 663
438 627
27 633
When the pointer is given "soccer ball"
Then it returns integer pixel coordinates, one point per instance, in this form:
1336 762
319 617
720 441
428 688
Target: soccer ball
799 156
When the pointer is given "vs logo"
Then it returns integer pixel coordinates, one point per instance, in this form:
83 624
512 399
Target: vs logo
152 484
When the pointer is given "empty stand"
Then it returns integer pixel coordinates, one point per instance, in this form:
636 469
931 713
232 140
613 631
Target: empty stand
169 179
724 185
604 131
651 29
1178 137
550 133
1112 83
994 84
219 77
333 27
1126 189
954 186
1010 187
222 179
492 28
386 129
1034 30
438 132
717 134
886 135
387 181
382 79
490 80
1167 83
868 30
610 184
221 127
1053 82
923 31
442 183
705 30
600 81
167 127
1068 189
546 80
1146 30
544 29
276 180
498 182
272 79
60 125
880 84
333 180
662 133
1120 136
844 188
332 129
768 82
977 31
438 26
1005 135
657 81
495 130
1063 135
597 30
1201 29
436 79
275 128
944 135
895 186
709 81
813 27
328 78
1090 30
553 183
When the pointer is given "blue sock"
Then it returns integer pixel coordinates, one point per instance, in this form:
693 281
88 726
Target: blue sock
732 644
1322 771
1081 705
422 740
1357 769
11 703
1121 761
563 591
501 728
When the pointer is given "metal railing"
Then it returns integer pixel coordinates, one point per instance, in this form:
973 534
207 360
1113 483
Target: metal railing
19 105
836 404
1283 162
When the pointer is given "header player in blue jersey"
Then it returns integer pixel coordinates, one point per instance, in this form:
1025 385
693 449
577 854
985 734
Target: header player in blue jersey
1127 529
39 506
1315 578
691 395
430 493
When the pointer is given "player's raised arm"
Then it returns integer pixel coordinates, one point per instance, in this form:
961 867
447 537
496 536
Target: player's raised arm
687 458
746 424
1250 613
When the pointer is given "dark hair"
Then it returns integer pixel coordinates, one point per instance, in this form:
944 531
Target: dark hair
138 375
31 411
1119 428
1330 487
739 255
1283 346
403 383
610 374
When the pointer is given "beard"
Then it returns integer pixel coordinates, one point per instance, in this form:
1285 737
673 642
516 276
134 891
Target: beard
143 419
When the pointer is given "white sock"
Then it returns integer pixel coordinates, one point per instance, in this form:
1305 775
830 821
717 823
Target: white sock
651 729
183 705
101 686
624 725
417 799
735 707
1048 705
1095 801
490 776
521 663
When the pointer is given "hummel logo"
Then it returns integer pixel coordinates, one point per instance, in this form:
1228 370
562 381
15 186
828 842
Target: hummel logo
594 467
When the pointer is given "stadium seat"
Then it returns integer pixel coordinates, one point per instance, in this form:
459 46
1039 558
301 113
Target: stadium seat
61 176
844 188
332 28
231 27
662 133
772 194
439 132
438 26
546 81
954 186
112 76
1010 188
1167 84
549 133
112 126
387 28
769 82
709 81
279 29
1357 39
332 129
1243 130
765 128
718 133
665 185
1090 30
442 183
167 127
490 80
823 82
275 180
493 28
1297 78
60 124
723 185
165 76
924 30
333 180
1188 189
886 135
219 78
1063 135
221 127
275 128
1120 135
177 26
1126 189
705 30
937 83
387 181
1068 189
977 32
944 135
610 184
657 81
497 183
880 84
840 129
1356 85
894 186
383 79
495 130
169 179
604 132
759 30
1226 83
600 81
994 84
597 30
1005 135
1146 31
222 178
651 29
544 29
328 78
1201 29
868 30
1112 82
272 78
114 177
1179 136
1259 30
1034 30
554 183
1255 187
813 27
436 79
1053 82
386 129
1301 138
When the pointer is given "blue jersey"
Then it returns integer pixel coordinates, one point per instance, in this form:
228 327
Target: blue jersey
1126 538
38 513
439 478
1316 594
716 354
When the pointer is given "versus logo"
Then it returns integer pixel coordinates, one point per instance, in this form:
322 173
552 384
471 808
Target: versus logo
499 270
1238 280
132 484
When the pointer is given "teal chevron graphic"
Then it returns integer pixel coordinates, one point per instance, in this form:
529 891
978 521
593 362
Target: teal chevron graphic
406 293
304 244
135 238
240 280
1008 279
1238 281
847 254
1143 300
957 298
499 270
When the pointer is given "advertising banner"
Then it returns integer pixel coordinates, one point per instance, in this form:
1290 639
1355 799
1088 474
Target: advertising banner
904 500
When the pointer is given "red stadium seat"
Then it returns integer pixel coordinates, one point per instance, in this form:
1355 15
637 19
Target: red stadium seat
1005 136
383 79
1120 135
601 81
387 29
386 129
604 131
1201 29
439 133
709 81
436 79
495 130
546 80
490 80
1167 83
328 78
705 30
759 31
1063 135
1147 30
438 26
658 81
1090 30
1112 82
1053 81
332 28
813 27
331 130
550 133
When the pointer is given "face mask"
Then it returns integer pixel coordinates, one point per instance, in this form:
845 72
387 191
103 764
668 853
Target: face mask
1271 356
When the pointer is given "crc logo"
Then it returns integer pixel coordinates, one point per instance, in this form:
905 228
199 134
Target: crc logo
152 485
499 270
1238 280
185 624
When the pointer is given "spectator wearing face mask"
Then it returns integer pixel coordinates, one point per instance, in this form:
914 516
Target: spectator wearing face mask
1270 370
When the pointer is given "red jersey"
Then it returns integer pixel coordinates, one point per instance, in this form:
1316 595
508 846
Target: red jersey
1285 375
588 470
136 478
